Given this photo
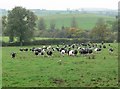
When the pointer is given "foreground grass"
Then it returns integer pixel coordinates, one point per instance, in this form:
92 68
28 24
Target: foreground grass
28 70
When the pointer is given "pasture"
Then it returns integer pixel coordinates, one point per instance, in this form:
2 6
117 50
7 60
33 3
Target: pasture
84 21
29 70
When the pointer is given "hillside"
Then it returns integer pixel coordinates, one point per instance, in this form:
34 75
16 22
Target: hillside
85 21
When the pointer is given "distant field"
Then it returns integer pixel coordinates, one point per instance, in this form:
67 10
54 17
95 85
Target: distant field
28 70
39 38
6 38
85 21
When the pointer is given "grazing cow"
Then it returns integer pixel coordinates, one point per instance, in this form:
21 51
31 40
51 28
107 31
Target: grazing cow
111 50
62 52
79 48
49 47
67 51
97 49
61 49
36 53
13 55
109 45
100 46
32 49
53 49
58 49
104 46
86 51
73 46
90 51
26 49
69 45
71 53
75 52
83 51
38 49
21 49
41 53
65 46
49 53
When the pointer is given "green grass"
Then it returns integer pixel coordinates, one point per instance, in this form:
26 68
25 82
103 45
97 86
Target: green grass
39 38
6 38
85 21
38 71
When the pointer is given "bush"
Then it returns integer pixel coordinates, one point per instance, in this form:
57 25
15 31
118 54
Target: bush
53 41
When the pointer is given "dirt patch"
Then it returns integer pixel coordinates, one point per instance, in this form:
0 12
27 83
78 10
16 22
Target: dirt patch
57 81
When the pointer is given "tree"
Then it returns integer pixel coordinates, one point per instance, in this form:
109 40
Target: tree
4 24
71 32
41 24
80 33
21 23
100 31
10 27
115 26
0 27
74 23
61 33
52 25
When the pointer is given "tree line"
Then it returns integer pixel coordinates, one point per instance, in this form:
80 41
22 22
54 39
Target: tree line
24 25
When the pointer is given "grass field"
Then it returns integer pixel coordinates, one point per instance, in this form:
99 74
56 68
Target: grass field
38 71
6 38
85 21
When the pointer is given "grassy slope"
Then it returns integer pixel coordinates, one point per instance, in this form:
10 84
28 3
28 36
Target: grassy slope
85 21
29 70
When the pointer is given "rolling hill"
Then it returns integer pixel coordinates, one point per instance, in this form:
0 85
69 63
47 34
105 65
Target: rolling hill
85 21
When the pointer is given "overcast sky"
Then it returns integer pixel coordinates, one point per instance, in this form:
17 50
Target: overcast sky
59 4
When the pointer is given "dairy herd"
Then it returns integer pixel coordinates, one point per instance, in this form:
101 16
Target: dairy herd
70 49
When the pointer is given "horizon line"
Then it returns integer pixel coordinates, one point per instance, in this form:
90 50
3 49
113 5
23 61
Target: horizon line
62 9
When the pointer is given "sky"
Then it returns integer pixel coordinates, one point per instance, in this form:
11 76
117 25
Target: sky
59 4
